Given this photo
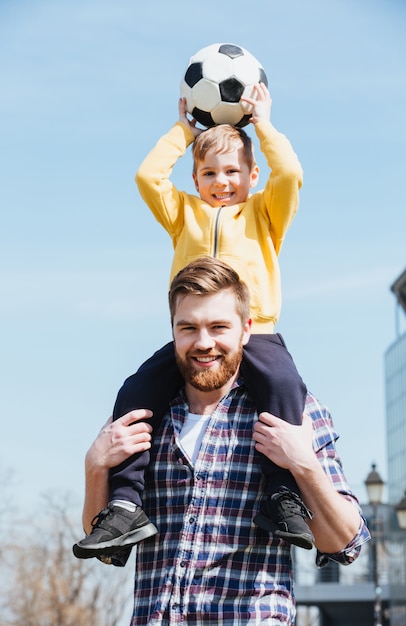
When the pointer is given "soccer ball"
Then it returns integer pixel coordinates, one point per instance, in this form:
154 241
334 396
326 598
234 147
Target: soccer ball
214 81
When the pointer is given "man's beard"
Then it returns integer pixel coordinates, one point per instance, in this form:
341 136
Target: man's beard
208 379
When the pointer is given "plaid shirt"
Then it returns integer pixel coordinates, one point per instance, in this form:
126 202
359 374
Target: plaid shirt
209 564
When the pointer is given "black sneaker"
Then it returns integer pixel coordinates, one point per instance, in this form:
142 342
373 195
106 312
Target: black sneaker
284 515
114 528
118 559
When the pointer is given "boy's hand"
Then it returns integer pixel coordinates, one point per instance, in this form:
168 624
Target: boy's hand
185 120
261 103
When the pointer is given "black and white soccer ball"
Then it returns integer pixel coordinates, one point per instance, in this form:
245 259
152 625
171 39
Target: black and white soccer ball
214 81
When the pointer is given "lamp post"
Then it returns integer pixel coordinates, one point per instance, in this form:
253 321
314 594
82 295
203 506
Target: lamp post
401 512
374 485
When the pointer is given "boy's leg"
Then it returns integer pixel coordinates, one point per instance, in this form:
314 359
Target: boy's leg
276 387
123 523
279 389
153 386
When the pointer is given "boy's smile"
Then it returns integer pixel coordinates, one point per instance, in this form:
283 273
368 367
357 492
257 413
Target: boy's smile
224 179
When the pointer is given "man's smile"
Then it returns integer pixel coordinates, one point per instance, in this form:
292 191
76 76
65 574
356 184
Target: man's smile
206 359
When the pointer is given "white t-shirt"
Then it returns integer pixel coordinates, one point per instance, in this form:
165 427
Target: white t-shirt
192 434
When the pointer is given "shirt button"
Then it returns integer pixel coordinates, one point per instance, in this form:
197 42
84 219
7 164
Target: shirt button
183 563
191 520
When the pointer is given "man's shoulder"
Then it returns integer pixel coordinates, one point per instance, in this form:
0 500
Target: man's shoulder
323 425
313 405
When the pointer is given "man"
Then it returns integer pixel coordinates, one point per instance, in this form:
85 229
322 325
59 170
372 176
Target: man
209 564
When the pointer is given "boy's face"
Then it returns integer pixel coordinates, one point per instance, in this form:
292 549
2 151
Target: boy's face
224 179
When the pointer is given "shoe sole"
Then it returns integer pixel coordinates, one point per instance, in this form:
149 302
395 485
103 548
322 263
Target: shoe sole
114 545
303 540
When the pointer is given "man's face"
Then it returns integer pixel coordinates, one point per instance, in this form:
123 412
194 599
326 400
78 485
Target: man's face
224 179
209 335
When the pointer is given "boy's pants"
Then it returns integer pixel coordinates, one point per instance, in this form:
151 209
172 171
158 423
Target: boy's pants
272 381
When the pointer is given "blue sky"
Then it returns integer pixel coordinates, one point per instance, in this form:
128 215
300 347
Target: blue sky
87 87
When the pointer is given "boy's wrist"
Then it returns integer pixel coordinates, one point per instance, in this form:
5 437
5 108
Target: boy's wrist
188 133
265 127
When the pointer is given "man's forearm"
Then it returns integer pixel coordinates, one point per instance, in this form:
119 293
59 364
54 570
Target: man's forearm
96 493
336 520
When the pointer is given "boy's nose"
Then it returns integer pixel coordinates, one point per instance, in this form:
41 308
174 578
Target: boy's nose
221 180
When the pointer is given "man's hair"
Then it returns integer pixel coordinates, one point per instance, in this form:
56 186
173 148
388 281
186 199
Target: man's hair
222 139
207 276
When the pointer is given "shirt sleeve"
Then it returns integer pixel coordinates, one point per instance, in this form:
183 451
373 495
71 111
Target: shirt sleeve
324 445
280 197
153 178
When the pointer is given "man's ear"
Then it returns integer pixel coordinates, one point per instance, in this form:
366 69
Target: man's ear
254 177
246 332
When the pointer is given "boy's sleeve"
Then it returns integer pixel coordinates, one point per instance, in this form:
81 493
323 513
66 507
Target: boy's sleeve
280 198
153 178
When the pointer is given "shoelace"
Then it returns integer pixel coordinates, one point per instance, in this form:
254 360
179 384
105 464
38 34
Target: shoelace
289 496
99 517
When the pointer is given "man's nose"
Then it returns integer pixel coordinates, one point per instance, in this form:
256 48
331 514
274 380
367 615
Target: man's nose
204 341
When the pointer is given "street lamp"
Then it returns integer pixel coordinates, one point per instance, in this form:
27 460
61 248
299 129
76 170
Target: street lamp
374 485
401 512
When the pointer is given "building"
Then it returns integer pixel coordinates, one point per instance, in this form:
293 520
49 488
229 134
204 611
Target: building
339 596
395 394
343 596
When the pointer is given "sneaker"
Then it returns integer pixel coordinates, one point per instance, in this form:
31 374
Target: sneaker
284 515
114 528
118 559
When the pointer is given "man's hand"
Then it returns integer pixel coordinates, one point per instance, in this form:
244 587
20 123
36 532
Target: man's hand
335 520
287 445
120 439
114 444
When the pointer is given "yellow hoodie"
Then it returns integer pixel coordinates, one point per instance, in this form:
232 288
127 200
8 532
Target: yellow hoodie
247 236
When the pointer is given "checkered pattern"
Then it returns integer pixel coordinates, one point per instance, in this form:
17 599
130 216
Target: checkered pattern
210 564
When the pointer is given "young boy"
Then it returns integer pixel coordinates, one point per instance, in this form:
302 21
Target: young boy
246 231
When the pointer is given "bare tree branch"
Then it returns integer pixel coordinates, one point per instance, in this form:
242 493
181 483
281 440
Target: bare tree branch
47 586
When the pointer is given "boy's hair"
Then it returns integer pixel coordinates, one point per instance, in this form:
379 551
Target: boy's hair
222 138
207 276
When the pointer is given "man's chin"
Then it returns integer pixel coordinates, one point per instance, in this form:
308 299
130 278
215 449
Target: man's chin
210 378
206 385
213 378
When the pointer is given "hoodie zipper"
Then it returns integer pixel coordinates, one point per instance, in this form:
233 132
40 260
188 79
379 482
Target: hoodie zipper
216 233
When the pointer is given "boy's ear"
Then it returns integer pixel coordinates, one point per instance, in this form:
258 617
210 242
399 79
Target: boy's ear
254 176
195 181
